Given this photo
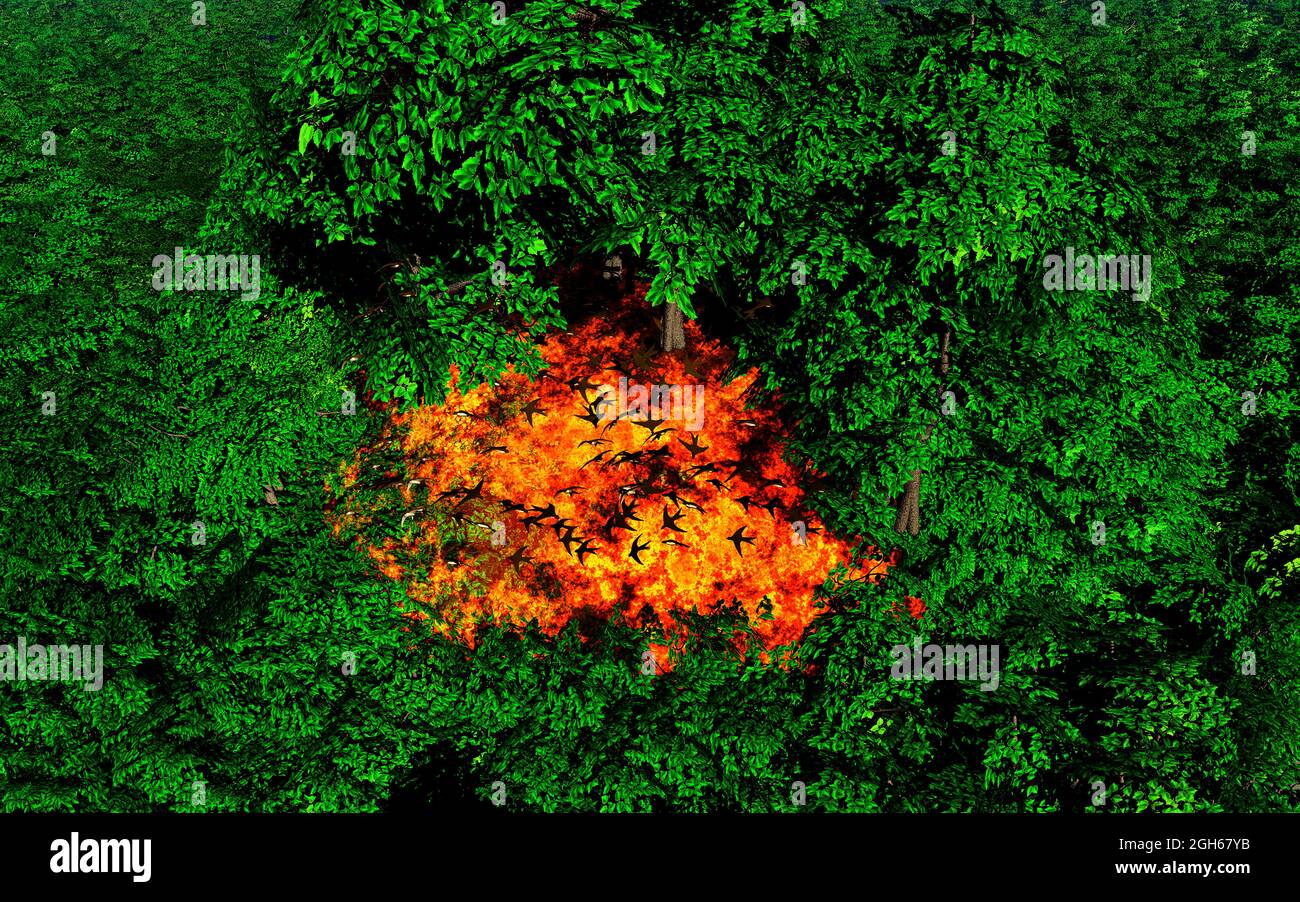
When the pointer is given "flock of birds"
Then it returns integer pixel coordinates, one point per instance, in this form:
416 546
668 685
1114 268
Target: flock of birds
654 477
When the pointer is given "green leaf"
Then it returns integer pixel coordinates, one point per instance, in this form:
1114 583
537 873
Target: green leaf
305 135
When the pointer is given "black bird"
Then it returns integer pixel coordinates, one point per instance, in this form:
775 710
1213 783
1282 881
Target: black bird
694 445
736 467
585 549
547 512
594 459
675 542
511 506
670 521
692 472
691 365
771 507
635 553
568 540
594 442
628 510
583 385
494 449
651 425
655 433
532 410
682 502
519 558
745 501
472 494
718 484
571 490
592 417
737 538
618 521
641 357
560 525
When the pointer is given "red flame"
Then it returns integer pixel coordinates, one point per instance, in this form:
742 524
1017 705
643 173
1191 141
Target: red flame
535 501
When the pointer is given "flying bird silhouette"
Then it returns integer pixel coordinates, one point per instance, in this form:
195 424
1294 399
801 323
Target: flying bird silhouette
655 433
594 459
519 558
691 365
694 446
618 521
547 512
650 424
738 538
532 410
585 549
583 385
641 357
670 521
568 540
682 502
635 553
472 494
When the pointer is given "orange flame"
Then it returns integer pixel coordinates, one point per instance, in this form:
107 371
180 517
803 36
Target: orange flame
536 501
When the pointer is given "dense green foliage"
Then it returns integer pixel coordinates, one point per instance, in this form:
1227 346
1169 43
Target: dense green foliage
222 659
848 196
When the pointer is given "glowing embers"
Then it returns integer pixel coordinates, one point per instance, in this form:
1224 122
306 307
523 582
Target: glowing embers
580 495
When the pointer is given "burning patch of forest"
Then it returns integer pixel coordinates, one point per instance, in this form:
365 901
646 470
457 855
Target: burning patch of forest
622 480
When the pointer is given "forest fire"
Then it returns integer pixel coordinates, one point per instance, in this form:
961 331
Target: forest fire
623 479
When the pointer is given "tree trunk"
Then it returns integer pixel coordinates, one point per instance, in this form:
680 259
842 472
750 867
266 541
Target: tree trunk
674 335
619 272
909 506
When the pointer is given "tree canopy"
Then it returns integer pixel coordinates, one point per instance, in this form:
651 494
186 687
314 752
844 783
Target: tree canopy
863 199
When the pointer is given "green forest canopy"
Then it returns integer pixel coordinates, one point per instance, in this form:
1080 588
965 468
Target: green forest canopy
914 163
